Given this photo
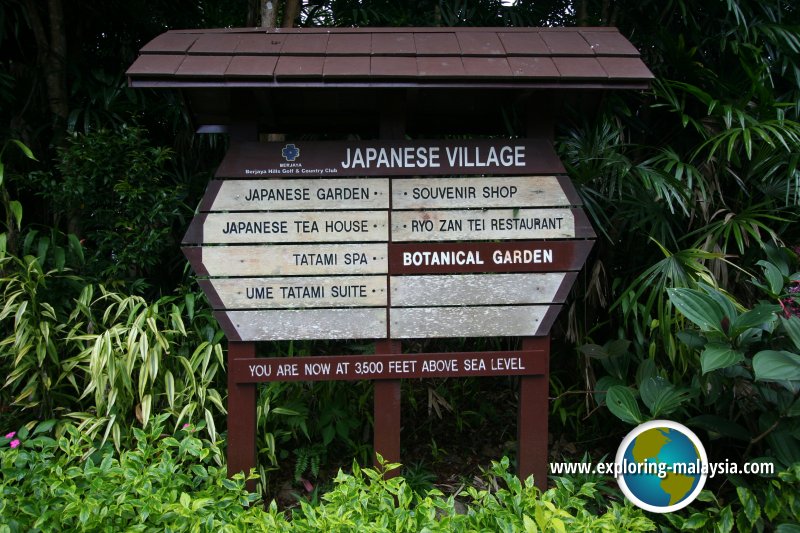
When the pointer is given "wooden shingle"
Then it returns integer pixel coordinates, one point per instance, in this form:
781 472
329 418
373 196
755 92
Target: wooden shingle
516 58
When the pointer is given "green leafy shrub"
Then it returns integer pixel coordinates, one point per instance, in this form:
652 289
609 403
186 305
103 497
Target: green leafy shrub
766 504
743 381
750 361
162 483
168 482
73 349
366 501
35 321
115 191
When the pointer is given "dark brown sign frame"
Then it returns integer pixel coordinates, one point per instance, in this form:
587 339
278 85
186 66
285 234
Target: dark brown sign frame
319 160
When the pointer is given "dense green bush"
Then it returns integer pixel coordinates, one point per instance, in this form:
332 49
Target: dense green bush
119 194
744 374
163 483
70 348
168 482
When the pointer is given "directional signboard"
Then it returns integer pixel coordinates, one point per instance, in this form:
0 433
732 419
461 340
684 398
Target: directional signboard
403 240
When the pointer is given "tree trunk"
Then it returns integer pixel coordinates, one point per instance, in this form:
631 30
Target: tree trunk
582 12
253 8
52 55
291 11
269 12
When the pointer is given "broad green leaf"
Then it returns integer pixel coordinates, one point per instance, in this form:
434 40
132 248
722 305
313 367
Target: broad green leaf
721 426
725 302
650 388
750 504
716 356
755 317
285 411
772 365
696 521
785 446
669 400
169 385
41 250
109 425
602 386
210 426
774 277
698 307
772 504
75 247
794 410
189 299
45 426
60 258
16 209
647 369
594 351
660 396
725 522
792 327
25 150
147 405
622 404
691 338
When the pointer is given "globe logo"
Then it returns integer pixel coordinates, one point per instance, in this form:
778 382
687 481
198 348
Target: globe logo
661 466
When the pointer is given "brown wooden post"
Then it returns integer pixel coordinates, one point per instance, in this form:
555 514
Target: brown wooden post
534 408
386 403
387 411
241 415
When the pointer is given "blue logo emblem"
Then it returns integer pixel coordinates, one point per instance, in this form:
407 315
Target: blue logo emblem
662 466
290 152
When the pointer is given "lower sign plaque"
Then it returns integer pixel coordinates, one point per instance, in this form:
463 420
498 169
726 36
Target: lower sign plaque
396 366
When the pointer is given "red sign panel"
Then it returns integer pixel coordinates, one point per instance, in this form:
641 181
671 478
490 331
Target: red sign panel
395 366
477 257
390 158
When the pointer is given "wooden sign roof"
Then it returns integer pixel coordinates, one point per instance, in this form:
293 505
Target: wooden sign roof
592 58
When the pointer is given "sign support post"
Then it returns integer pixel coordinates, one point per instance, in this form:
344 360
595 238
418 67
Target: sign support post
387 393
241 453
242 426
386 415
532 414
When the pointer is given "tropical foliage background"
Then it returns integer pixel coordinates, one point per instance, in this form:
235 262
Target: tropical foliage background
689 308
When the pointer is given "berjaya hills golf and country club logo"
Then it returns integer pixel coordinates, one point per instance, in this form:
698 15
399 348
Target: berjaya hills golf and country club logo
662 466
290 152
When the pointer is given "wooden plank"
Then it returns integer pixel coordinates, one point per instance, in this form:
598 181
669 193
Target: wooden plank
498 321
306 324
389 366
390 158
296 194
473 257
295 292
478 289
450 193
288 260
280 227
484 225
